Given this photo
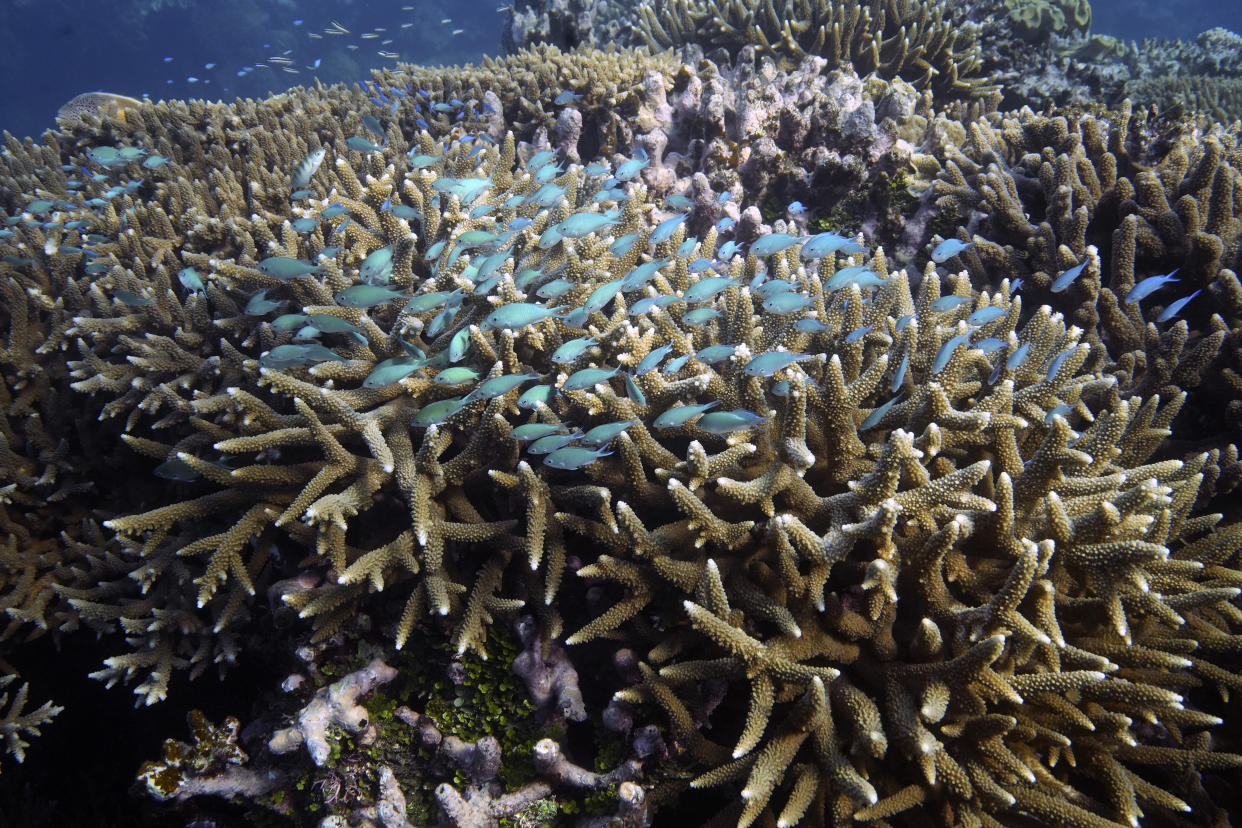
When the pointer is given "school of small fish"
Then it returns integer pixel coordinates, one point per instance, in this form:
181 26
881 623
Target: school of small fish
500 273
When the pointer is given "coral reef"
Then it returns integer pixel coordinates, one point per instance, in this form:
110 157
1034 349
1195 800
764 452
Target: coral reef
861 537
917 41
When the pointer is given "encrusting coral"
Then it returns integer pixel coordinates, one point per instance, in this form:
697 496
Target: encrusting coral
889 545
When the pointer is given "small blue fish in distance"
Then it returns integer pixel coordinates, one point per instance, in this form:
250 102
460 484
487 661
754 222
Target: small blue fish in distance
595 170
642 274
797 208
1150 285
699 316
622 244
949 248
1175 308
190 280
572 458
438 412
360 144
822 244
706 289
677 201
724 224
773 243
391 370
990 345
1067 278
1057 411
565 97
727 250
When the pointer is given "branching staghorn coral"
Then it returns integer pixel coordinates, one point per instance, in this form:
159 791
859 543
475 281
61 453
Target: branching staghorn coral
903 542
1132 198
911 39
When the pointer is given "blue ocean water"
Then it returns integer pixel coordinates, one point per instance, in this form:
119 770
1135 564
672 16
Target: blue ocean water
51 50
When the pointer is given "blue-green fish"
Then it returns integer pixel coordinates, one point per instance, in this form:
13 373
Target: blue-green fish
786 302
571 458
773 243
1150 285
190 280
602 295
533 397
304 225
437 412
949 248
715 353
283 356
984 315
459 344
534 431
283 267
1067 278
642 274
518 315
360 144
425 302
727 422
946 351
705 290
456 375
699 316
948 303
551 442
367 296
767 364
875 416
604 434
665 229
328 323
377 266
652 359
372 123
632 391
571 350
290 321
259 304
585 223
588 377
391 370
129 299
499 386
1175 308
679 415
